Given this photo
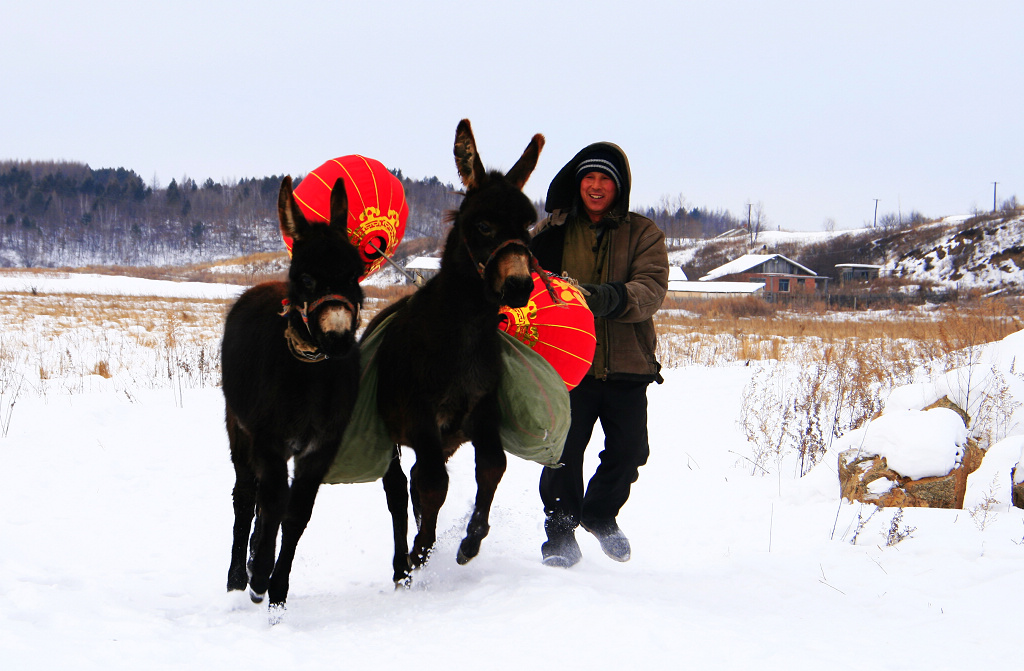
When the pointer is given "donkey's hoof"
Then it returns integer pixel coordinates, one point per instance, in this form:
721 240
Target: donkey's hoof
256 597
468 549
237 580
418 559
276 613
402 577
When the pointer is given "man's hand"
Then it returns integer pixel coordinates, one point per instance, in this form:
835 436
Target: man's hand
605 300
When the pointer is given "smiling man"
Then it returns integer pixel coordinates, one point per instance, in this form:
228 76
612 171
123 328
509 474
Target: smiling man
598 187
620 260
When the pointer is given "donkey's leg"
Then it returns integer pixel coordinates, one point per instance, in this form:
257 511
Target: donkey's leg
414 496
490 467
396 489
243 498
431 483
272 498
309 473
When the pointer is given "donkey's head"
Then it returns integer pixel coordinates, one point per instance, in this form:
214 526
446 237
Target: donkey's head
492 225
324 275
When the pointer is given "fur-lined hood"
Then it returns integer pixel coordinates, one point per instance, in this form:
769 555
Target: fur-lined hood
564 193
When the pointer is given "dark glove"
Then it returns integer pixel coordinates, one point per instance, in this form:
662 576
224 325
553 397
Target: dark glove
605 300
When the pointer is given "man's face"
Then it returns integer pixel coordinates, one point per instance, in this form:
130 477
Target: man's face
598 193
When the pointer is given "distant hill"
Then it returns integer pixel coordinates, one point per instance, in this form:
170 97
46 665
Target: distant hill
68 214
62 214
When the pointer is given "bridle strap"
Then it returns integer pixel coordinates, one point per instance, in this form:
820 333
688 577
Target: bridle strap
481 268
300 348
545 277
286 307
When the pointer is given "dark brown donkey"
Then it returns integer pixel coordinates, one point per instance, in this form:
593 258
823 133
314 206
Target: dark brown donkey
291 372
439 358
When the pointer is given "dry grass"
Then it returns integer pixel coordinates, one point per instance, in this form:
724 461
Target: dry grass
713 333
725 330
139 342
842 366
816 373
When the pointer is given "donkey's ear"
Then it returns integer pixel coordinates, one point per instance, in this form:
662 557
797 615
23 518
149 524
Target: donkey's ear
523 168
467 160
339 204
293 223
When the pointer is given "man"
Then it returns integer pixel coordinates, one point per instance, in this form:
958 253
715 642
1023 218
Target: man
619 258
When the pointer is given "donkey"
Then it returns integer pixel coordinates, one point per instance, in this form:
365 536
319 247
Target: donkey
290 365
439 356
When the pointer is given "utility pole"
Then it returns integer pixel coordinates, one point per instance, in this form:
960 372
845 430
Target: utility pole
994 196
875 225
750 233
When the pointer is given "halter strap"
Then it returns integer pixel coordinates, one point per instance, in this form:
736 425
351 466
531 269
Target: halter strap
286 307
300 348
545 276
481 268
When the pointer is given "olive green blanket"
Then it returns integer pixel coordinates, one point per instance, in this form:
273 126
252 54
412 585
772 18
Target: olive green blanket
534 414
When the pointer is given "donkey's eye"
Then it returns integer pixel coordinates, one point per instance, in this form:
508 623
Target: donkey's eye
308 282
485 228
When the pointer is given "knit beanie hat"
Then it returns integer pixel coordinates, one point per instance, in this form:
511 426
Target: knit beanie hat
603 161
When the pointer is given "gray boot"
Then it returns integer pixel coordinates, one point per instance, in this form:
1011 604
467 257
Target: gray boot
560 549
613 541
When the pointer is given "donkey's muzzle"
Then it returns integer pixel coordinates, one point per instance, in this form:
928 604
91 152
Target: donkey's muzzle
516 290
336 319
512 281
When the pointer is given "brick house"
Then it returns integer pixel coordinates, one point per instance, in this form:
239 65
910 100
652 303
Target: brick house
780 276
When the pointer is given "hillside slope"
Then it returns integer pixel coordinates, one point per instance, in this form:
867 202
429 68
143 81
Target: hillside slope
960 252
986 254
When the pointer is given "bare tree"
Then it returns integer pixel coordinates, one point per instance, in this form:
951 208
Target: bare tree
889 222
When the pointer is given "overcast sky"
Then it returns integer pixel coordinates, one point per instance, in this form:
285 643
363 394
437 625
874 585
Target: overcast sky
814 109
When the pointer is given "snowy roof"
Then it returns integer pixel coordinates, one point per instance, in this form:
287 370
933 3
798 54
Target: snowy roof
748 261
715 287
424 263
676 273
859 265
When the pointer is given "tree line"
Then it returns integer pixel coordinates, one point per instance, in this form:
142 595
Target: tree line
67 214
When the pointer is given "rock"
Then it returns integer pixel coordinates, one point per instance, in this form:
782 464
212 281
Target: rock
944 402
868 478
1016 490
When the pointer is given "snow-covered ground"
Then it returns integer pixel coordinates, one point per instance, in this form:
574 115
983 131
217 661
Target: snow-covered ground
115 516
55 282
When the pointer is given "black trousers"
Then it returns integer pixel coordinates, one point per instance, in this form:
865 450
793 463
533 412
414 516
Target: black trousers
622 409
